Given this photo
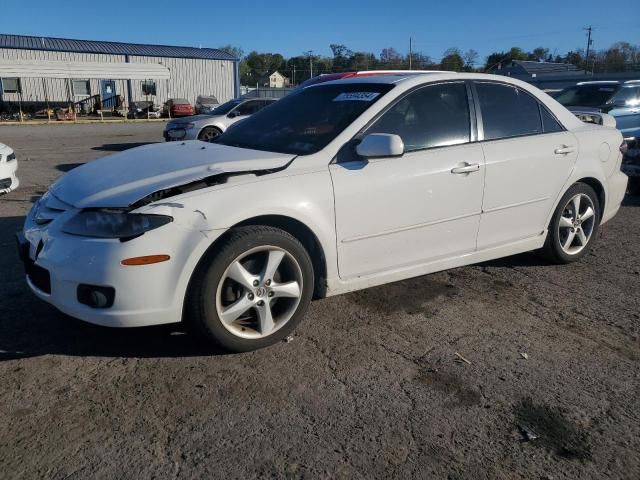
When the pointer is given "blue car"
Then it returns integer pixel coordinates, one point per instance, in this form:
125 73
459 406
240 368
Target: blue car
619 99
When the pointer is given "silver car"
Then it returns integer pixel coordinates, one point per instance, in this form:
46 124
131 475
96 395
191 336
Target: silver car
208 127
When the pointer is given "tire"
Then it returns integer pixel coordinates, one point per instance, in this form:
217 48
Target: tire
248 254
208 134
566 237
634 186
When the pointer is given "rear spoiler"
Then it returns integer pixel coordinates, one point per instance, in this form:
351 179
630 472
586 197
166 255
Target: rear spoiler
597 118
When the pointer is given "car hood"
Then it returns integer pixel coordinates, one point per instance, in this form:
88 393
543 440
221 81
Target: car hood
122 179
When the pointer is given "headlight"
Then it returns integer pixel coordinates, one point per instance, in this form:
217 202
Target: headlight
108 224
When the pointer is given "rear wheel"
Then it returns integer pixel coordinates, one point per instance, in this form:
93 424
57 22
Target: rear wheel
208 134
253 290
574 225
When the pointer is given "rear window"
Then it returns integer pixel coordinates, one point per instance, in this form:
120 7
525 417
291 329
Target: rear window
306 121
587 95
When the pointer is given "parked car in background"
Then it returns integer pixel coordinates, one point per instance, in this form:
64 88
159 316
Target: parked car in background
209 127
631 164
8 168
206 104
178 107
336 187
621 100
143 109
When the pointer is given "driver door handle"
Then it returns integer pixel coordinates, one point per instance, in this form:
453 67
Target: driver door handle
564 149
468 168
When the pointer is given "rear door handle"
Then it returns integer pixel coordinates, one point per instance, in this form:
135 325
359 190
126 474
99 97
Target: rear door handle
564 149
468 168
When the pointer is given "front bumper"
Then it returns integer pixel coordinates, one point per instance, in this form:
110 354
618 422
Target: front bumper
8 178
57 264
179 134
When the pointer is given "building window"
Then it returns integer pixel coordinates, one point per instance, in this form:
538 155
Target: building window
148 87
11 85
81 88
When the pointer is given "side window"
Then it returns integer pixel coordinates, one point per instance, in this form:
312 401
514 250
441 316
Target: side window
627 96
433 116
549 122
248 108
507 111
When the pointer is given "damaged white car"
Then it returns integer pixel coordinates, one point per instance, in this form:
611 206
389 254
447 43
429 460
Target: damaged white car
334 188
8 168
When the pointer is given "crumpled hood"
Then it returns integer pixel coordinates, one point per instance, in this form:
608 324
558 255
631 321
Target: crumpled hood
122 179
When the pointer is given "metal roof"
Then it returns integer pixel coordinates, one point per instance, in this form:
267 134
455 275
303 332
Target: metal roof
110 48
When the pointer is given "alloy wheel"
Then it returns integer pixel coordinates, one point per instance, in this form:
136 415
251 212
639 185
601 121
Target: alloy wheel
576 224
259 292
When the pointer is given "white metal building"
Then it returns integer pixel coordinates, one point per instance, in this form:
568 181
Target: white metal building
39 70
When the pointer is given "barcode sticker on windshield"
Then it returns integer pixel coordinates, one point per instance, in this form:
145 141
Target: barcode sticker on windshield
356 96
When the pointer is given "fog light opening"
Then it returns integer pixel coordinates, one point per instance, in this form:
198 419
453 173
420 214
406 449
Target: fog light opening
96 297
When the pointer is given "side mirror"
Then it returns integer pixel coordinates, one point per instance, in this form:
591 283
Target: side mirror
380 145
234 114
608 120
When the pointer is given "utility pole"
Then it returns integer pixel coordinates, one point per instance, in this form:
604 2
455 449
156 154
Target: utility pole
310 54
410 53
589 29
294 74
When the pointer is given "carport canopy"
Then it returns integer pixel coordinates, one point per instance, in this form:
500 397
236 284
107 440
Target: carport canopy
82 70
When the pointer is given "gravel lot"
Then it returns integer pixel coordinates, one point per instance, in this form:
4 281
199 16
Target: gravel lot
369 387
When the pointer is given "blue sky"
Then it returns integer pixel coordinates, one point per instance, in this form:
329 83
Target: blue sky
293 27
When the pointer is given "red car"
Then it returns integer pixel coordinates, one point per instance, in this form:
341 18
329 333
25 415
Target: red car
178 107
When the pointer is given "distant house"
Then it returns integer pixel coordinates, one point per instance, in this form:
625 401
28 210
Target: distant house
277 80
524 69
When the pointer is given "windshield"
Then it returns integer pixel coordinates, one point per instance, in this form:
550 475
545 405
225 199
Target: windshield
306 121
225 107
586 95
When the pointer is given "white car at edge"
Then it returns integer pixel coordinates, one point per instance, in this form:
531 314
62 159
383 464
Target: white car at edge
8 168
337 187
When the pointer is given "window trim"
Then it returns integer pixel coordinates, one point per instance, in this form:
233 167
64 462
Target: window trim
540 105
143 87
73 87
472 123
18 91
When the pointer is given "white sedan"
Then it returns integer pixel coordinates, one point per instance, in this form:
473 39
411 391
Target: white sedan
8 168
208 127
337 187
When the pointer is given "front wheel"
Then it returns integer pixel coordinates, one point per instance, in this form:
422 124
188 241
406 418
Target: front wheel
253 290
574 225
209 134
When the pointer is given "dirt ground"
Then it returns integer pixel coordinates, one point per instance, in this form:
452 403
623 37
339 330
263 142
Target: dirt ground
370 386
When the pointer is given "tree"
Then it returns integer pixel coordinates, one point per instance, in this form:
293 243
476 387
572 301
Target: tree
237 52
470 58
452 60
341 56
390 56
540 53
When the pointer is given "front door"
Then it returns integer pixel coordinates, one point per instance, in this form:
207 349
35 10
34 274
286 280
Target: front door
400 212
108 89
529 157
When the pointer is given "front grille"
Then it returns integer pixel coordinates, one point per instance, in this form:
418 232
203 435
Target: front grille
5 183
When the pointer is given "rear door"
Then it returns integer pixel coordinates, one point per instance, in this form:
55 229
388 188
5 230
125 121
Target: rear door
529 157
